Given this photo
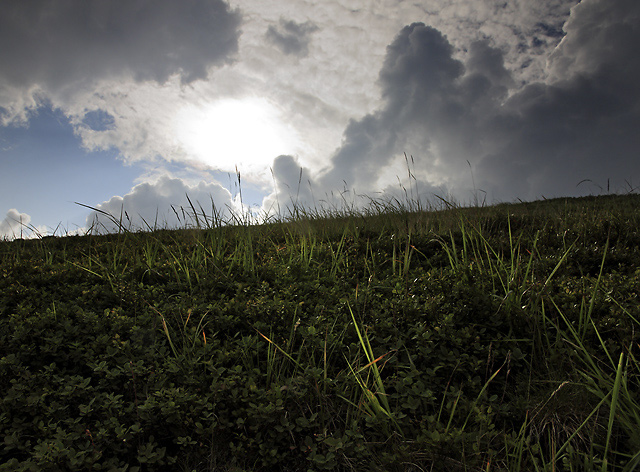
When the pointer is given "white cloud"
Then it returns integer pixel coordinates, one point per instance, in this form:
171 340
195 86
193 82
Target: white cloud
164 204
141 118
15 225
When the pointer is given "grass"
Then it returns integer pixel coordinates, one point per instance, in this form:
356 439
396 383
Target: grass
397 337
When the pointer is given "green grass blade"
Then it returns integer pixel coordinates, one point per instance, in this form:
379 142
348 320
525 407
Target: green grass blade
612 410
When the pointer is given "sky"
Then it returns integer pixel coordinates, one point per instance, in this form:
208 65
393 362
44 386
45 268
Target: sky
141 108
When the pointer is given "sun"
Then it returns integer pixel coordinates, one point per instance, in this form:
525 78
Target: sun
248 133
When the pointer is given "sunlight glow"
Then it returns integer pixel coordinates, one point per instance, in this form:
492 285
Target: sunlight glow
247 132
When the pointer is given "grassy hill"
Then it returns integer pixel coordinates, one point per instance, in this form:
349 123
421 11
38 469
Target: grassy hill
475 339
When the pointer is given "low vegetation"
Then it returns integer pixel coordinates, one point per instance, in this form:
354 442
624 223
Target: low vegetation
498 338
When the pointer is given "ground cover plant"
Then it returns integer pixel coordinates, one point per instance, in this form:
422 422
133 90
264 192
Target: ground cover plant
498 338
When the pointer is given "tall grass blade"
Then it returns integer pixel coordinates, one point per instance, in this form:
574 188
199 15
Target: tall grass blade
612 410
377 401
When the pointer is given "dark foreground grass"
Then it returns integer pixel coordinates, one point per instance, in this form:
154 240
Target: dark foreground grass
479 339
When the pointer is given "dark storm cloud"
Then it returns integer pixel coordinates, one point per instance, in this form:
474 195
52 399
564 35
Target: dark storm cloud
583 125
291 37
550 31
417 67
58 43
418 64
428 96
293 186
521 143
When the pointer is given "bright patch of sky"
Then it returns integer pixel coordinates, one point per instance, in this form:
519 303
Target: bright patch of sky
232 134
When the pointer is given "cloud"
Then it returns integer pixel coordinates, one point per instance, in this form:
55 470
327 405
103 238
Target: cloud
57 46
467 122
111 106
164 203
583 123
599 37
136 119
15 225
428 95
290 37
293 188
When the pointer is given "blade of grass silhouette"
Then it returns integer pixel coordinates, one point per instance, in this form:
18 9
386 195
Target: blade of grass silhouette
280 349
